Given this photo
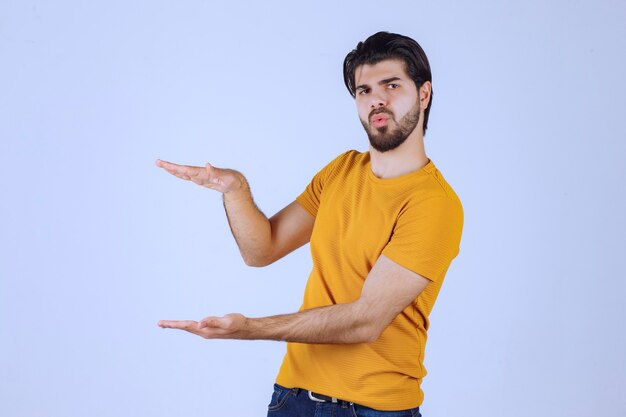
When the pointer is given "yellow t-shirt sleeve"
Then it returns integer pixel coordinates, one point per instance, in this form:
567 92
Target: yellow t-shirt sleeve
312 195
427 236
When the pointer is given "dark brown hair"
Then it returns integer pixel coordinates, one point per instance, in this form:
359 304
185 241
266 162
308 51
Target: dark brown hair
382 46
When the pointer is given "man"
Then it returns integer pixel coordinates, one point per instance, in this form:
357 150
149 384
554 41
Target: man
384 226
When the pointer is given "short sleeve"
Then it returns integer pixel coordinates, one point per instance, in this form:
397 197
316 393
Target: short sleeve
312 195
427 236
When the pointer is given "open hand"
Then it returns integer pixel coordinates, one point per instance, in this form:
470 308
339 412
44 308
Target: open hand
226 327
219 179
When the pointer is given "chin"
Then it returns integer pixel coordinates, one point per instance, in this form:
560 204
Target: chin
386 146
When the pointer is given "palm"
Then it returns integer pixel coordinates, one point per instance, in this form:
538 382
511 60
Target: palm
210 327
222 180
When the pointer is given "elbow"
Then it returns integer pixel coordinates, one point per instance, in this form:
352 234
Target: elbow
256 264
368 326
368 331
256 261
370 334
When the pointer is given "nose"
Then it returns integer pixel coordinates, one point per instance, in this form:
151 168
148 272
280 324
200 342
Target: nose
378 99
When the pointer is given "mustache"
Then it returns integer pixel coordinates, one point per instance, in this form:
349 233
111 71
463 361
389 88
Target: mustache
379 111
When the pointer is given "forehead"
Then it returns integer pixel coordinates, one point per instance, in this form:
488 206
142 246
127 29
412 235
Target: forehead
371 74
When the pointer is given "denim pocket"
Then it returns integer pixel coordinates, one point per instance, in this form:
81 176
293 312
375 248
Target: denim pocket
279 398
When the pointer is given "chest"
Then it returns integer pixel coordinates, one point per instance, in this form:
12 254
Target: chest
358 217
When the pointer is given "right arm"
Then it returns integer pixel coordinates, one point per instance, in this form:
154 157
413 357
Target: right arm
261 241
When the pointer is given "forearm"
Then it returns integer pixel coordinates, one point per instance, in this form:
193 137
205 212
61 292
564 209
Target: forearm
339 323
388 290
249 226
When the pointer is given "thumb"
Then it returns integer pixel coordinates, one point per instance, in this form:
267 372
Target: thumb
213 172
211 322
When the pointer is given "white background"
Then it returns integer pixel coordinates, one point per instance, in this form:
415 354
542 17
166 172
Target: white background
97 244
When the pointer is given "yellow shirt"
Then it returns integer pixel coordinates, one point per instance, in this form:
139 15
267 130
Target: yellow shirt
416 221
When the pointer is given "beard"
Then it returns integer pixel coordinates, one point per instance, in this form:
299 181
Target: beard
387 138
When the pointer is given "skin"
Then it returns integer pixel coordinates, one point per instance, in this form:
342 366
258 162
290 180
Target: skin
389 287
399 96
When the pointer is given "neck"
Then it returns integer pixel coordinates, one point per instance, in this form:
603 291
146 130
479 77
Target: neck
406 158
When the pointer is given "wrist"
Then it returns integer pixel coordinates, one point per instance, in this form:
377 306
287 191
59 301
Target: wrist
241 192
243 330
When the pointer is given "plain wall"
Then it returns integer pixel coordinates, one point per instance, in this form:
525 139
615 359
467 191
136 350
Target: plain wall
97 244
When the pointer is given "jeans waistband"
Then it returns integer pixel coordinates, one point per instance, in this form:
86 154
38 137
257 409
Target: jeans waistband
321 398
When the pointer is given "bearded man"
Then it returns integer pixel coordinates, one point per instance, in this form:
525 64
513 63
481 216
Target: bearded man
383 227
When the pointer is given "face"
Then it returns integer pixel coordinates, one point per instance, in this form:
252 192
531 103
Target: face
387 103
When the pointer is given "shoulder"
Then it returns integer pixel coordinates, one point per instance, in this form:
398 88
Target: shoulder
440 183
346 162
433 196
433 185
350 157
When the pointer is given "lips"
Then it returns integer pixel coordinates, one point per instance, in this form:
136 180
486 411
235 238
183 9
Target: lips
379 120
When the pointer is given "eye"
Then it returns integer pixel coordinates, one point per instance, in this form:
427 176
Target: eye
364 91
392 86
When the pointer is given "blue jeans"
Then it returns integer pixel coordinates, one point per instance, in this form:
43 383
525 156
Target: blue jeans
295 402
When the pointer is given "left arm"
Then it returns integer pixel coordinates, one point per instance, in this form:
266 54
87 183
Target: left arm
388 289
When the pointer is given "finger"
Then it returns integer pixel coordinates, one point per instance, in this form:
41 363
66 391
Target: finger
179 167
188 325
185 172
165 164
170 166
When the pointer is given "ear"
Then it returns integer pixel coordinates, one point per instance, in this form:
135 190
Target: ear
424 93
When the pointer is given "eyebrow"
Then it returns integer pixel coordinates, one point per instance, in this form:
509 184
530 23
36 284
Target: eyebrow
381 82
